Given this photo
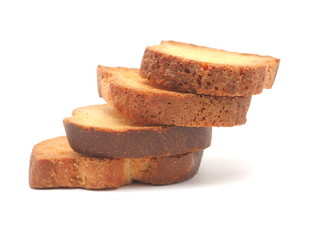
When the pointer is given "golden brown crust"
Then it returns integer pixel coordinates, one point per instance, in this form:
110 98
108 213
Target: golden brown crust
272 69
53 164
136 143
154 105
186 75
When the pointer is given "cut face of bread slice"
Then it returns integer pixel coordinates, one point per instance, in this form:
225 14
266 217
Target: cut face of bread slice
138 99
190 68
100 131
54 164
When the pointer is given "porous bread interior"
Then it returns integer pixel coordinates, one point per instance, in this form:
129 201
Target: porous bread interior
55 148
104 116
129 78
209 55
58 148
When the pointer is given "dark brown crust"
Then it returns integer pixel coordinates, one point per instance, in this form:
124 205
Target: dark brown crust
185 75
160 141
79 171
192 111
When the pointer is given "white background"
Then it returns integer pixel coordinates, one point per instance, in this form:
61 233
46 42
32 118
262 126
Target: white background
257 181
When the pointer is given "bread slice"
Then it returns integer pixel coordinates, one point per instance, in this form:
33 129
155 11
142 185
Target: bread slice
190 68
138 99
54 164
100 131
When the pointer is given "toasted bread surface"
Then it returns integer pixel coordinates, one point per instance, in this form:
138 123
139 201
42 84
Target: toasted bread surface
190 68
100 131
140 100
54 164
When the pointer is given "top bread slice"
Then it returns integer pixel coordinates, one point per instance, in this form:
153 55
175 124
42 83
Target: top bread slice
99 131
140 100
190 68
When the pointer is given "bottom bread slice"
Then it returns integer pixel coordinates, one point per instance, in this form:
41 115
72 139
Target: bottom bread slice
54 164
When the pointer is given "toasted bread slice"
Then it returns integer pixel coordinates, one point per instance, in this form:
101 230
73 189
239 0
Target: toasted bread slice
54 164
140 100
190 68
100 131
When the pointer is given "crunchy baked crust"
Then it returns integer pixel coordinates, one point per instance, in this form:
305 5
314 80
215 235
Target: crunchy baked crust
132 141
188 75
134 97
54 164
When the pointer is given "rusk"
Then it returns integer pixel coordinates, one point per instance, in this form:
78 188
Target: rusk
140 100
54 164
189 68
99 131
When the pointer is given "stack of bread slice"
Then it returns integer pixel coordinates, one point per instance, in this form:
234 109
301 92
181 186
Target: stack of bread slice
157 120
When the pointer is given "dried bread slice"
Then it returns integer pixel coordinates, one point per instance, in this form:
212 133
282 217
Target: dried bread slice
190 68
100 131
54 164
138 99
